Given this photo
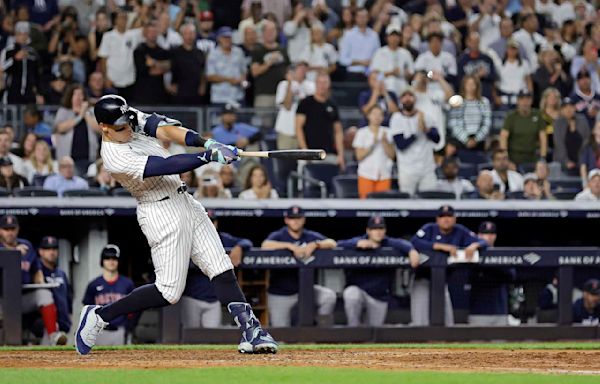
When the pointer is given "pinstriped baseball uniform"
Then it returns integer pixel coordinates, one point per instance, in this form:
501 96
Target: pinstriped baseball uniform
176 226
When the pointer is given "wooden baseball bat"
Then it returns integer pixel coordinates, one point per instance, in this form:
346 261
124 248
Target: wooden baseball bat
292 154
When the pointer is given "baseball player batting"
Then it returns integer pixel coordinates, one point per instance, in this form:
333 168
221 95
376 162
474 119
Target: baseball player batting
176 226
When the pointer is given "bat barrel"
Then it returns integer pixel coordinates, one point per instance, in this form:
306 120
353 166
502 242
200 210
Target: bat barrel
298 154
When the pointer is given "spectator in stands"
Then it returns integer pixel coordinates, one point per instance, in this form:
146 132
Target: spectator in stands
151 64
319 55
210 186
325 15
96 88
206 39
25 149
377 94
530 39
9 179
550 111
189 178
36 300
358 47
531 188
232 132
445 235
554 40
318 123
103 180
168 38
374 154
586 311
486 23
588 62
227 174
40 163
514 76
523 134
486 189
507 179
33 122
570 131
551 73
298 30
269 66
76 129
542 173
257 185
65 179
436 61
587 101
100 26
63 294
200 307
60 83
452 182
476 63
188 84
254 19
226 69
283 283
458 15
116 55
470 123
592 191
590 153
434 24
500 45
393 61
343 27
415 137
489 287
369 289
106 289
290 92
431 101
21 66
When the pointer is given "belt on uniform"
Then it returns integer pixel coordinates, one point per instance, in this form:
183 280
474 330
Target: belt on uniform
182 189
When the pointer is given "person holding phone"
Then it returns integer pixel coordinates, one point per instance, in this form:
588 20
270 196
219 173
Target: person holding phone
377 94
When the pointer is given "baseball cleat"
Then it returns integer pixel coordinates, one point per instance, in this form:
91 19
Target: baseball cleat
254 338
90 326
58 338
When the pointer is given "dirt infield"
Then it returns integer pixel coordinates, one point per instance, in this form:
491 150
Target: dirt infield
466 360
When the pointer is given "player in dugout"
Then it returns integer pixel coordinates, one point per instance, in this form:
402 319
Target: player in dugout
200 305
283 283
63 294
370 288
108 288
37 299
445 235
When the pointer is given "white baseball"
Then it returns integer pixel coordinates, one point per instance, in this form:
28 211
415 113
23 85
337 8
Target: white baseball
455 101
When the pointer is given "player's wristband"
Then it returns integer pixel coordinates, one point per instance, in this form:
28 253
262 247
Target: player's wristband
193 139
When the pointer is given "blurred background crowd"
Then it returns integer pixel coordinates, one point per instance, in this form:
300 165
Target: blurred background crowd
281 73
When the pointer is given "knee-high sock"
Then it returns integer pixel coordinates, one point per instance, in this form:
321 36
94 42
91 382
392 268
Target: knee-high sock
49 317
145 297
227 288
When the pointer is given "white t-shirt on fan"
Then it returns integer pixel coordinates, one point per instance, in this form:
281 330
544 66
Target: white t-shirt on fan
377 165
286 118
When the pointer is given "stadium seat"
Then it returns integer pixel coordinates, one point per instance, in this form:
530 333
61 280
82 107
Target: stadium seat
467 170
482 166
515 195
388 195
320 171
34 192
4 192
121 192
345 186
566 194
565 184
436 195
351 168
92 192
38 180
471 157
526 168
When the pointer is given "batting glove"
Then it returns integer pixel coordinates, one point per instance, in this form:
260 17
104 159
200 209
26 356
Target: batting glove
223 154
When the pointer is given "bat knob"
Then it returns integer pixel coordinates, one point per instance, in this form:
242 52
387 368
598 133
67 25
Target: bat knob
322 155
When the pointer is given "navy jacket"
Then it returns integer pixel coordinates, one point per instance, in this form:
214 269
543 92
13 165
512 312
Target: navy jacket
377 282
582 316
62 295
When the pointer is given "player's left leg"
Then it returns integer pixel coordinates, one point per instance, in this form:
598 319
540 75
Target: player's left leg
208 254
376 311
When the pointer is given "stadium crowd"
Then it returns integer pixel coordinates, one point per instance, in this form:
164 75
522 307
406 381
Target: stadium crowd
532 63
366 296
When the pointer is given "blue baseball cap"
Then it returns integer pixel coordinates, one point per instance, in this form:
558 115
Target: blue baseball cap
224 32
9 221
294 212
592 286
487 227
376 222
445 210
49 242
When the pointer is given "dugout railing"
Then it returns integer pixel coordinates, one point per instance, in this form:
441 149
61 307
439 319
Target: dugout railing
564 260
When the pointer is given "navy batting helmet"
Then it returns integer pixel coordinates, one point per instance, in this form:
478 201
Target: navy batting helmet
113 110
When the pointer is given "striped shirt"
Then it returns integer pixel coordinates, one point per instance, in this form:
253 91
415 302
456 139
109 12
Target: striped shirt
472 119
126 163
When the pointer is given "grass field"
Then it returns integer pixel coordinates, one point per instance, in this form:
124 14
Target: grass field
512 363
